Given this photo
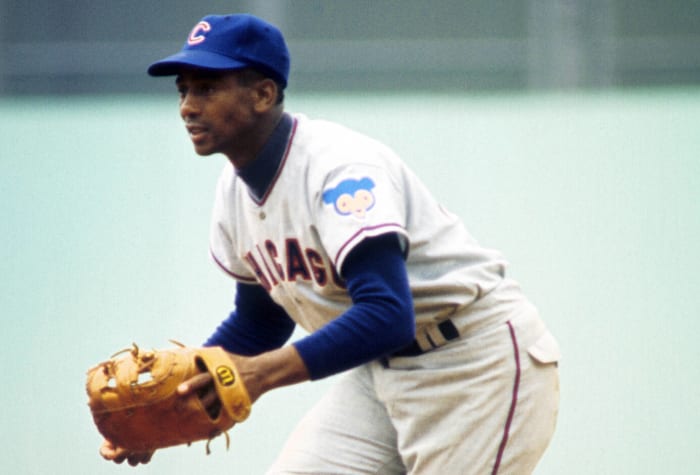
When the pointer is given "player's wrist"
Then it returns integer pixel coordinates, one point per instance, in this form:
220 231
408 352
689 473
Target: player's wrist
277 368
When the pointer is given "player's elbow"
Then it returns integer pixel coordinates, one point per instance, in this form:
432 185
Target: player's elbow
403 325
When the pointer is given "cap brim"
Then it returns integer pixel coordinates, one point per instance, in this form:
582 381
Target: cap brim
188 59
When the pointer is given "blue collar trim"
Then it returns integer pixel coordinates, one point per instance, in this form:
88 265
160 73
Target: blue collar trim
260 174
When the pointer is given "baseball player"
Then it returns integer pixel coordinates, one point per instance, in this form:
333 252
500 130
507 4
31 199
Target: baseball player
448 367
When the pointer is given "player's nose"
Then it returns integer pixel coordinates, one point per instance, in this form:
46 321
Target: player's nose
188 106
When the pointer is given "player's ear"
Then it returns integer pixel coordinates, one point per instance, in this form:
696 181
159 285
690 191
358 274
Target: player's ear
265 95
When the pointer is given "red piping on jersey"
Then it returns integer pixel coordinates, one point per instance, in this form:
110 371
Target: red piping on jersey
514 400
370 228
281 166
229 272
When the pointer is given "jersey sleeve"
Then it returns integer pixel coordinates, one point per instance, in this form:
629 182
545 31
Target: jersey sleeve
360 201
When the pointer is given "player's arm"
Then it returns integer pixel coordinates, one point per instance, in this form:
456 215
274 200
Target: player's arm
256 325
381 319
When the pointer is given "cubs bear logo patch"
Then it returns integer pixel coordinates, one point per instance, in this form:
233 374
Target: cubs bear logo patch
351 197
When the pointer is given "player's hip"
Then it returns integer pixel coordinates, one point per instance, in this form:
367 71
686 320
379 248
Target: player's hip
505 303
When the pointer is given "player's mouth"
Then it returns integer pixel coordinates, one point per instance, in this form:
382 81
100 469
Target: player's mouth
197 133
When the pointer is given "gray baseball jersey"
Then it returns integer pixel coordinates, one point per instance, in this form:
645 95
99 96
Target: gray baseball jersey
336 187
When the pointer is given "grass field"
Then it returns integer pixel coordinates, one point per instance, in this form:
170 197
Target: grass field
593 197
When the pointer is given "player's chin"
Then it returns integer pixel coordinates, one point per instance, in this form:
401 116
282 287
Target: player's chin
203 150
201 144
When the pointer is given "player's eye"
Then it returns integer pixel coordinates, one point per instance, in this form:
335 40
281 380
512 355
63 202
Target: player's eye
205 89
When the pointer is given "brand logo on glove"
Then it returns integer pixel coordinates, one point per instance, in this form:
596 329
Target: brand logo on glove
225 375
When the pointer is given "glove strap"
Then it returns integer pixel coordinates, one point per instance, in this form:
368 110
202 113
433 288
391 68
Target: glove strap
229 386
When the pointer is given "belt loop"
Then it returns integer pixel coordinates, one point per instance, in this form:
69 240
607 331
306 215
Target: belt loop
429 337
423 340
434 333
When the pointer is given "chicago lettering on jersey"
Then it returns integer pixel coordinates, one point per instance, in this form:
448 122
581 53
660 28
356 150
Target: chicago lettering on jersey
294 263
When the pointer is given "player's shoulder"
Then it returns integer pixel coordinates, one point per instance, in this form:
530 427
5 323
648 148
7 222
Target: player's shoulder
226 183
227 174
332 139
317 125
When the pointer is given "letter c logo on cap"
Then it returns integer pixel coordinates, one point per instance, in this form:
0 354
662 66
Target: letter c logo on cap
196 35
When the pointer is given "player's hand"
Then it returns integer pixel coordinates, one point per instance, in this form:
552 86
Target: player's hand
109 451
259 374
202 386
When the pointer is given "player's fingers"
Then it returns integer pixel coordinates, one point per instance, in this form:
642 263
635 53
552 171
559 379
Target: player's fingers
194 384
109 451
209 398
140 457
120 455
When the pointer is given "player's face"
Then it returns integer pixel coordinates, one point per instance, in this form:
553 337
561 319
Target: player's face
219 112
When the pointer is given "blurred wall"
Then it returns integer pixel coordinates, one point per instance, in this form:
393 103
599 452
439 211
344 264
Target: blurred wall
104 46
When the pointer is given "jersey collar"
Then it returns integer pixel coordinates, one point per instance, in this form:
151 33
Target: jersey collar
260 173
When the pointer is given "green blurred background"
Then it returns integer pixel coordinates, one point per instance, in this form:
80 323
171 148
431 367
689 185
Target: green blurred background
589 186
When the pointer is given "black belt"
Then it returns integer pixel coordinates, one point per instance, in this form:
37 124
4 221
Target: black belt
449 332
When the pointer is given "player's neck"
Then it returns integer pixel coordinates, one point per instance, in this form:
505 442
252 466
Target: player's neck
259 175
240 158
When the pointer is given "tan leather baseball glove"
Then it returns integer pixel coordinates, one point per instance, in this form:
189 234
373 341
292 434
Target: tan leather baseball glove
135 405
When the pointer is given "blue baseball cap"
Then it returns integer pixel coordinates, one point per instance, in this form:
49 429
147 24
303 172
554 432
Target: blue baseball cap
229 42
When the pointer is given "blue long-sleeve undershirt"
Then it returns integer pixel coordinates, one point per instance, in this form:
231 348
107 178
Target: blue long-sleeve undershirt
256 325
381 319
